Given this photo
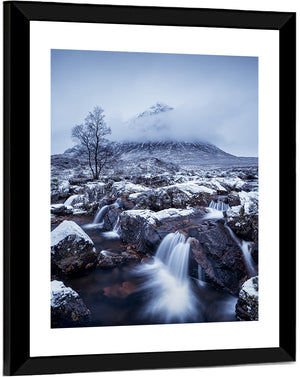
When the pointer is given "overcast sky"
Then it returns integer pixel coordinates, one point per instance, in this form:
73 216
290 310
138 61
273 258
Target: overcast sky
215 98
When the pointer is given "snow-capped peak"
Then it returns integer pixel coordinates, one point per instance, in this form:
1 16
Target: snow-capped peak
155 109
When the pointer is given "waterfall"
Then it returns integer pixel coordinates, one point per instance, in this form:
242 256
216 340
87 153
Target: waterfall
115 232
219 205
245 246
168 244
102 211
118 203
70 200
116 227
216 209
100 214
167 285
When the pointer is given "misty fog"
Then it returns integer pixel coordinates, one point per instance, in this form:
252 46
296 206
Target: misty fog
214 98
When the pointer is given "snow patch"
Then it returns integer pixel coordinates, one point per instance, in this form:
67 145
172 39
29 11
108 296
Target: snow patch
60 294
68 228
249 200
250 288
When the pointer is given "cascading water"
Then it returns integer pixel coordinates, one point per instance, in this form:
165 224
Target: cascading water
219 205
201 276
246 248
167 286
216 209
100 214
69 201
116 227
115 232
103 210
167 245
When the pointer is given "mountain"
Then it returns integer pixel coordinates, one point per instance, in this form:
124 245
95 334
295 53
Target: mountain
185 154
155 109
151 123
149 140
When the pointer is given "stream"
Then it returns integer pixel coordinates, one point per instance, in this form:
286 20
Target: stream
154 292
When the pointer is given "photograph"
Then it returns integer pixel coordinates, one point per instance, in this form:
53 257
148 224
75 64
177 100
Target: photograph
154 188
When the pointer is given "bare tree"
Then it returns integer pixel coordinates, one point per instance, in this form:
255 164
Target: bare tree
91 134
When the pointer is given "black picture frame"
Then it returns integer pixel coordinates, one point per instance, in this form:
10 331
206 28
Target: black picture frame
17 17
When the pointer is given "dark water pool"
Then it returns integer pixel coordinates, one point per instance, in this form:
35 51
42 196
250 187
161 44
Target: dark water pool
122 295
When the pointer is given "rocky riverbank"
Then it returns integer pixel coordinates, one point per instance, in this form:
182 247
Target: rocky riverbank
215 209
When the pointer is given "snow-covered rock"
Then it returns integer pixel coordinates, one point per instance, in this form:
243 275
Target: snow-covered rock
243 219
61 209
74 199
67 308
247 304
59 189
94 192
146 228
122 188
72 249
249 201
179 195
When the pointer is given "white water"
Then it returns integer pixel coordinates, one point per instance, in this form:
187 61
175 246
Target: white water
115 232
213 214
103 210
69 201
245 246
167 285
219 205
100 214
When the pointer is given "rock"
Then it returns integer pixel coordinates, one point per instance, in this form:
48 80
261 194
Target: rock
254 253
243 218
175 196
123 188
72 250
94 192
146 228
74 200
245 227
67 308
155 180
218 255
109 259
111 217
247 304
233 199
59 189
61 210
249 201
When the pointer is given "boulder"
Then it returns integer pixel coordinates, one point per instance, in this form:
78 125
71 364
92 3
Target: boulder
61 210
67 308
146 228
124 188
59 189
111 217
154 180
233 199
110 259
219 256
245 227
243 218
72 250
175 196
94 192
247 304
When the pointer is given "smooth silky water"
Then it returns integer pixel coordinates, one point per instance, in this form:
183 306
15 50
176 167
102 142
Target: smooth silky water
154 292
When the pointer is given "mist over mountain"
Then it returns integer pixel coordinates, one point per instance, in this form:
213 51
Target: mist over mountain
160 133
161 122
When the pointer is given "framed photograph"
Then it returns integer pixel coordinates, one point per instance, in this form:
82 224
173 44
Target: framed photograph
149 152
